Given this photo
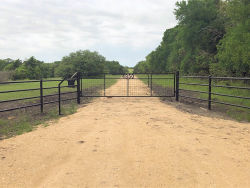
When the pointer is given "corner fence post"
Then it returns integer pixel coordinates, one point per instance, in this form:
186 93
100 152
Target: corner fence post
78 89
209 91
41 95
177 85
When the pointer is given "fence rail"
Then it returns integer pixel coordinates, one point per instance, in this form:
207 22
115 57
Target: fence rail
40 96
210 86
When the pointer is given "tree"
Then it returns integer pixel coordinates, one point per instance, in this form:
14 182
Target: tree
85 62
13 65
191 46
113 67
234 50
142 67
33 68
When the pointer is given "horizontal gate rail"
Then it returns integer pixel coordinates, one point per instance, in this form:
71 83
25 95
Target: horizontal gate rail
129 96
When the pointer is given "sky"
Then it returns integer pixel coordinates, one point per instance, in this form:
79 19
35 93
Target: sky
122 30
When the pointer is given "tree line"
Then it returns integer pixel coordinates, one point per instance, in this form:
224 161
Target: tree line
85 62
211 37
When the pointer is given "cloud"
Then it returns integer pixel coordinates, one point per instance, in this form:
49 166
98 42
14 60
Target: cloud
50 29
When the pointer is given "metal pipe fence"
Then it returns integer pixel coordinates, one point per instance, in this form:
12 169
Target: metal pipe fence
211 85
39 99
212 89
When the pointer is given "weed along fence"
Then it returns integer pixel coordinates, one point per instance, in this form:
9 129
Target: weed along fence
211 92
229 91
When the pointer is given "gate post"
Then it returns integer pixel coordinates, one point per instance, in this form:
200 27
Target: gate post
177 86
78 89
41 95
209 91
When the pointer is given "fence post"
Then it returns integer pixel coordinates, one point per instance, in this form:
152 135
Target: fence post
78 89
174 84
104 84
41 95
177 86
148 80
151 86
81 86
209 91
59 99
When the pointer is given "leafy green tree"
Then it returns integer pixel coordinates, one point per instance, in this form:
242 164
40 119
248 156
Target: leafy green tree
13 65
191 46
33 68
20 73
85 62
142 67
113 67
234 49
4 63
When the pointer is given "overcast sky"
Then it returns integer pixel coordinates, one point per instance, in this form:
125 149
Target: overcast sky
122 30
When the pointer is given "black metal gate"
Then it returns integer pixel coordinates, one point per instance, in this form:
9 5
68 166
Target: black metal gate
128 85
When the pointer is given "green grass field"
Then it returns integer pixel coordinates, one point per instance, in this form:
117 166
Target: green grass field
86 83
30 85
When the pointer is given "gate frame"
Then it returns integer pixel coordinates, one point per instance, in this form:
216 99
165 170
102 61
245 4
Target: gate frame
150 77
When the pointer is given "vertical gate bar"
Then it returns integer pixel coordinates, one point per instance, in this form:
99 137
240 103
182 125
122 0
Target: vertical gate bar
127 85
41 95
59 100
209 91
151 92
177 86
104 76
78 89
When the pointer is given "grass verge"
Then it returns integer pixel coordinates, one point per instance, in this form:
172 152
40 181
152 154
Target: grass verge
23 122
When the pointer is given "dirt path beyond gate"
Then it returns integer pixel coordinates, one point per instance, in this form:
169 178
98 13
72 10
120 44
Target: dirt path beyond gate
129 142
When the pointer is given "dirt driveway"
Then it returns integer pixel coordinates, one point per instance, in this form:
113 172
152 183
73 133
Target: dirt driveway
129 142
